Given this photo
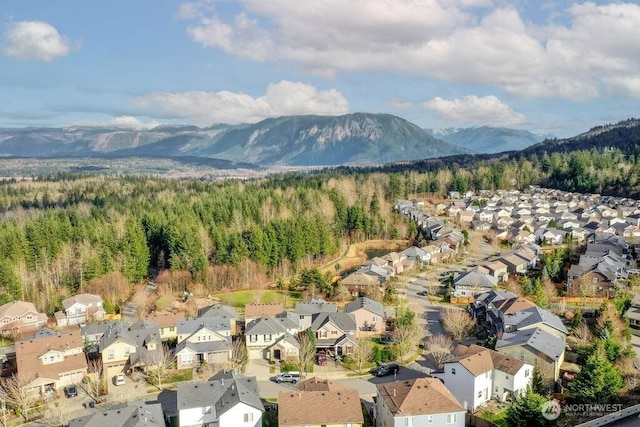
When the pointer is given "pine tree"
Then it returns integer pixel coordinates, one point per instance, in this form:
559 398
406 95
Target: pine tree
598 381
526 411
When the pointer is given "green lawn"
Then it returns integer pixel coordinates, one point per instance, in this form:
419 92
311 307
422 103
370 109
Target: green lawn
239 299
496 418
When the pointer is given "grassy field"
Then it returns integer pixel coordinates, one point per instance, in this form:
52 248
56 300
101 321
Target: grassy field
239 299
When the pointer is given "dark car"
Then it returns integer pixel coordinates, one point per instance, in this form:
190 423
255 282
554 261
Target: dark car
388 369
386 339
71 391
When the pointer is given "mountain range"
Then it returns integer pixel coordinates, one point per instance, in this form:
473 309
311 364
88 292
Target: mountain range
487 139
352 139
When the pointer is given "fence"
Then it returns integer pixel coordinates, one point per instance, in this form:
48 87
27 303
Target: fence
476 421
610 418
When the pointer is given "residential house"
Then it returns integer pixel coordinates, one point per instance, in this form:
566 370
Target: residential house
226 400
515 264
478 374
203 340
359 281
633 314
256 311
167 322
20 317
496 269
125 347
536 347
416 254
417 402
551 236
305 310
473 283
335 332
262 334
127 414
320 402
369 314
79 309
534 317
465 216
92 332
51 360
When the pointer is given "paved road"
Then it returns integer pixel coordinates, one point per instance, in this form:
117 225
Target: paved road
130 311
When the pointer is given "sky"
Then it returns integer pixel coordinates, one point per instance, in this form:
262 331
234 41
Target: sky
555 67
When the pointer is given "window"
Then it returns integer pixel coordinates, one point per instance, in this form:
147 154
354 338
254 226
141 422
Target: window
479 394
430 419
334 332
453 371
206 410
526 373
267 338
408 422
451 418
506 376
172 329
374 319
110 354
248 417
127 350
595 280
29 317
253 338
486 374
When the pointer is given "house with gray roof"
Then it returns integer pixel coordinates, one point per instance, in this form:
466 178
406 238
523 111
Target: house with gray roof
126 346
220 310
535 347
79 309
128 414
633 315
203 339
306 309
535 317
261 334
335 331
369 314
472 283
226 400
92 332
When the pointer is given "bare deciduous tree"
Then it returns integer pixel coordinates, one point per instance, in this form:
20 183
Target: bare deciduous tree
362 352
56 417
159 367
549 291
307 349
18 396
457 322
406 336
239 355
94 381
582 334
439 347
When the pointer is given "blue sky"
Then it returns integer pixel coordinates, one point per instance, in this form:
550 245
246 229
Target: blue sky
558 67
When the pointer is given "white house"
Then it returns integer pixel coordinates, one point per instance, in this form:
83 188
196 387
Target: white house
478 374
226 400
417 402
265 332
81 308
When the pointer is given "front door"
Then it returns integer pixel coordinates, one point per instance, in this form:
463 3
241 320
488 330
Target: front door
276 354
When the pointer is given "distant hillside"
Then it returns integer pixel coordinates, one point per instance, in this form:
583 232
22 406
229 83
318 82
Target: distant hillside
486 139
352 139
624 136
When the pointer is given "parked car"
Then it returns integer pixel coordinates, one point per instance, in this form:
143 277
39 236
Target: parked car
388 369
71 391
120 379
291 377
321 358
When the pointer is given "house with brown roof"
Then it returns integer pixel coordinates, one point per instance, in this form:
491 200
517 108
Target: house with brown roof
167 321
79 309
369 314
478 374
51 359
417 402
256 311
319 403
20 317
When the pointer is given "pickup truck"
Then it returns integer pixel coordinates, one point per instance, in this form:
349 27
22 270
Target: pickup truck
291 377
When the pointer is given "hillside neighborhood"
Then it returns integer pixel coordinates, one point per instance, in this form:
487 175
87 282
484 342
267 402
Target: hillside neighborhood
214 367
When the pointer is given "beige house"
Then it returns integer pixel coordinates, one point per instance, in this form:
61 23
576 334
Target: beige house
204 339
167 322
369 315
256 311
80 309
536 347
20 317
51 360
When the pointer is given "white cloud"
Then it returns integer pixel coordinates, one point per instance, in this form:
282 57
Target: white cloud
399 103
35 40
472 110
459 41
280 99
125 122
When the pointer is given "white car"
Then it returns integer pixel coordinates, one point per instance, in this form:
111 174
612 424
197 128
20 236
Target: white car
119 379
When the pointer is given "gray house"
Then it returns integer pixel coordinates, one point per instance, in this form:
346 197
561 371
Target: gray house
128 414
